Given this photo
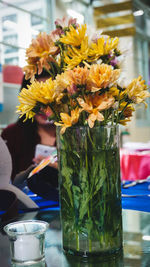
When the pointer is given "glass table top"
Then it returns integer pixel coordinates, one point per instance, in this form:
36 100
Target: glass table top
136 243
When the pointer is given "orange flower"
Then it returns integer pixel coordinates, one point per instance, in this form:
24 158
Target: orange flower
30 70
39 54
78 75
128 111
68 120
101 76
95 104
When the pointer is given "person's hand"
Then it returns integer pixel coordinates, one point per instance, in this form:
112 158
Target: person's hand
39 158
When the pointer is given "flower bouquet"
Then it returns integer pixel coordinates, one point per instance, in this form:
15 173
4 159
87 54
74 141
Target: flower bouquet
87 101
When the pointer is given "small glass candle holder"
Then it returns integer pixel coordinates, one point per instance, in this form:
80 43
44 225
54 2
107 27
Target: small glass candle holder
26 241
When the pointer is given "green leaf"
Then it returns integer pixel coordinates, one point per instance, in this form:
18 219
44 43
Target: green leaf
76 195
100 180
67 173
89 225
84 205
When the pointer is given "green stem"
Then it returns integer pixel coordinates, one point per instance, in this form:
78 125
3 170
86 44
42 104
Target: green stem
62 57
90 245
51 74
120 114
86 162
117 119
53 109
101 240
113 116
77 241
90 138
58 68
89 239
52 68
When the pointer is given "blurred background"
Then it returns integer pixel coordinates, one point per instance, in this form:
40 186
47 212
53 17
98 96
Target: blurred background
22 20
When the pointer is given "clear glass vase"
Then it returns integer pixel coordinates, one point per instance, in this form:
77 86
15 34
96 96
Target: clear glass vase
90 190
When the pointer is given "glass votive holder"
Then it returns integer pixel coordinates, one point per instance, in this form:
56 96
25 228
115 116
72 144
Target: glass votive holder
27 240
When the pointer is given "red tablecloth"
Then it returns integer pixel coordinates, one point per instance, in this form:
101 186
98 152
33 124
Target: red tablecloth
134 165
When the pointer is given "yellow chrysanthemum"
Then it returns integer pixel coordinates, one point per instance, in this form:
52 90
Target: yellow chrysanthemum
37 92
114 91
97 49
137 91
118 94
124 122
111 43
102 47
101 76
39 54
47 93
74 36
61 83
74 56
68 120
95 104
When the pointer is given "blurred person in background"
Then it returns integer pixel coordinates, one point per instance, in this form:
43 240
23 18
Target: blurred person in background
22 138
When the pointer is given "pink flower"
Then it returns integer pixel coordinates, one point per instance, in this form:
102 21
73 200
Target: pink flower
47 112
114 61
66 22
72 89
55 35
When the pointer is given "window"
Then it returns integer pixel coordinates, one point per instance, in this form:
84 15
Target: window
142 67
11 61
12 40
20 21
7 21
34 19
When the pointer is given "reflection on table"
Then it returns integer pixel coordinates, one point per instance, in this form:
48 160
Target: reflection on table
136 244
